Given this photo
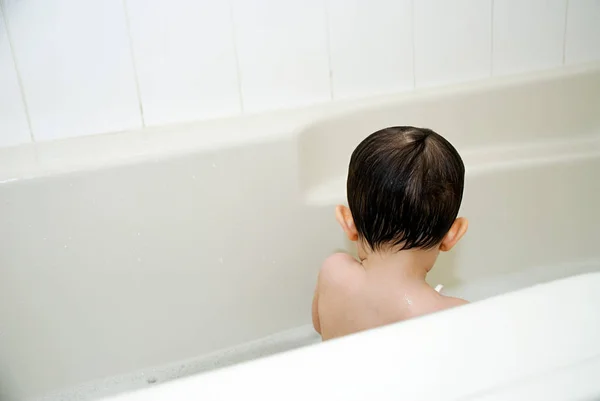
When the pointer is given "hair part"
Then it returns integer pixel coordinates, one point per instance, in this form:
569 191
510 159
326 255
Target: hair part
405 187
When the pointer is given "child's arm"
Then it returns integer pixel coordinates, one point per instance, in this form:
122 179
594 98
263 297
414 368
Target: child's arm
315 310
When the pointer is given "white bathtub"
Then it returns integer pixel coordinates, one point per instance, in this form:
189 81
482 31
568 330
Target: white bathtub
135 258
510 347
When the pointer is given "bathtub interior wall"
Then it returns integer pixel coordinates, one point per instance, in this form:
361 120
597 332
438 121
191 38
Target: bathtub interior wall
110 271
526 218
114 269
502 112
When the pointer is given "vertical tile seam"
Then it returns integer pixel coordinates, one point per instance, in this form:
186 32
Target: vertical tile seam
17 71
238 69
564 53
326 10
136 78
492 39
414 52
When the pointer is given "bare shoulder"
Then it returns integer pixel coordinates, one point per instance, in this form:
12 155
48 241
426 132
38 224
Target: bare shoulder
339 258
339 266
452 301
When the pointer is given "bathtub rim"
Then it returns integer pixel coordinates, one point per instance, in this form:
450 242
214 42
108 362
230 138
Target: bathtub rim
40 159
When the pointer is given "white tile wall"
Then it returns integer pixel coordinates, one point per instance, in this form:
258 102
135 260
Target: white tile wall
185 59
82 62
282 52
371 46
75 63
14 129
583 31
452 41
528 35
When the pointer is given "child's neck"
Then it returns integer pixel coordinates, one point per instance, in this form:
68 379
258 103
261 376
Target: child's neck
408 264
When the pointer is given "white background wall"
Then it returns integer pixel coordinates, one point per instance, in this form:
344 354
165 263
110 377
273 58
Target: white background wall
78 67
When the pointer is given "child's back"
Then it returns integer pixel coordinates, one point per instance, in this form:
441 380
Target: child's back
404 190
352 298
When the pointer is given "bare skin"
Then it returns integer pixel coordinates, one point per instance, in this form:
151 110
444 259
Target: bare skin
383 287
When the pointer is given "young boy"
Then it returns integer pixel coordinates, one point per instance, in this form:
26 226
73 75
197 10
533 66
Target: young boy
404 187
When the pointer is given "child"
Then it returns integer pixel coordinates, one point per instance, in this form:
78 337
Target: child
404 187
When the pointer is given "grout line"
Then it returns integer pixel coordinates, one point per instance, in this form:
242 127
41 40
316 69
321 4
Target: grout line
135 71
328 40
238 69
414 53
564 55
17 72
492 41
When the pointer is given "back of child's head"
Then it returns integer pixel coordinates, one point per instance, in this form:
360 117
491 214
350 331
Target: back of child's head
405 186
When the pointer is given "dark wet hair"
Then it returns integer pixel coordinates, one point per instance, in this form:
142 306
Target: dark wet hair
405 186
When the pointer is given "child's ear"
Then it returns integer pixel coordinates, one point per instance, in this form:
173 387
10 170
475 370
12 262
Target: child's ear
344 218
456 232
